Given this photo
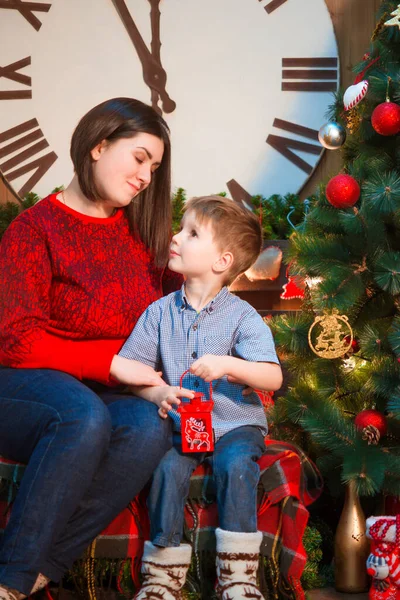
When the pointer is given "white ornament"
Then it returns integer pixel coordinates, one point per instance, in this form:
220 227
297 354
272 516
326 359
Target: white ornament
396 18
354 94
267 265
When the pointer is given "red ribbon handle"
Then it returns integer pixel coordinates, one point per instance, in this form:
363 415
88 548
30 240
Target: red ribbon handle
183 375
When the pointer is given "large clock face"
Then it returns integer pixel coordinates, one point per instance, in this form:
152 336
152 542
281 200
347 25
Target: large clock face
243 84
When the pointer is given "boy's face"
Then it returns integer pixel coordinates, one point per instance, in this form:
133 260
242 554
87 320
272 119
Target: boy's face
193 251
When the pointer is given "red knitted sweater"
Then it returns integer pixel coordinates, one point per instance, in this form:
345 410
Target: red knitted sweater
72 288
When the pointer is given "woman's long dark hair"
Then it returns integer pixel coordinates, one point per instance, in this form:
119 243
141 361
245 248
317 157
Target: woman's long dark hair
150 215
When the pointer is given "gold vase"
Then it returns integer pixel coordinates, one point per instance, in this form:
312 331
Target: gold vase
351 546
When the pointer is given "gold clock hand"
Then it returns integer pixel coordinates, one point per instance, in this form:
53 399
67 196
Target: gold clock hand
154 75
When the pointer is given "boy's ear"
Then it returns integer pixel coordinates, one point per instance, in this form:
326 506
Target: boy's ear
224 262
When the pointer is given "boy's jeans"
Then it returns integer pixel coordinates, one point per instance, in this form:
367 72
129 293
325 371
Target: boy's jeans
88 455
236 476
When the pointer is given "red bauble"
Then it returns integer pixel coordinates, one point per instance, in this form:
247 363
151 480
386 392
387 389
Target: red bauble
372 418
386 118
355 346
342 191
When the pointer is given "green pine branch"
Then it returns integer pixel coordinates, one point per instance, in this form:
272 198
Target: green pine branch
349 258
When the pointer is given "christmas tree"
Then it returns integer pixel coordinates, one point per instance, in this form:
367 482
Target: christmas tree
343 348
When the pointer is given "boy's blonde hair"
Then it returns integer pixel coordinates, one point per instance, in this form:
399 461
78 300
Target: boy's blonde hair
236 229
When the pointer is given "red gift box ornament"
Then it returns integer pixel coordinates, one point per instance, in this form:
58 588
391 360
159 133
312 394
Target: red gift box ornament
196 422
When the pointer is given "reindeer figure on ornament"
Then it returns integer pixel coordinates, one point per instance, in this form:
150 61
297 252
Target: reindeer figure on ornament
383 564
195 435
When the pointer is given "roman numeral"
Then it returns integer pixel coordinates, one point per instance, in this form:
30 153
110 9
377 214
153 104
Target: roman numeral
273 5
238 193
10 72
40 165
26 9
284 144
314 74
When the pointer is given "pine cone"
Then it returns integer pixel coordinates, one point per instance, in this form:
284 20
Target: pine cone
371 434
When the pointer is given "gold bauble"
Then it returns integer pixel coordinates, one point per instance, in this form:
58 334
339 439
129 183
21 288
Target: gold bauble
334 338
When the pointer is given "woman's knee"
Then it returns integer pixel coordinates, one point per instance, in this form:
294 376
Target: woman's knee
139 422
159 431
88 422
155 437
55 406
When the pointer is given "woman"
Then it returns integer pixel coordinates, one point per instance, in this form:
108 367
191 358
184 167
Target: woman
77 270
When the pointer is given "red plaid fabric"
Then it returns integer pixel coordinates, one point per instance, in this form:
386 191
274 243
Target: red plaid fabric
289 482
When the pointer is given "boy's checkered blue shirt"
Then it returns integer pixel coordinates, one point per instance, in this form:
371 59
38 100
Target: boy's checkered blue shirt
170 336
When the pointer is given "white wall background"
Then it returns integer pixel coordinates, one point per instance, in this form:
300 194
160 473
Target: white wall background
223 60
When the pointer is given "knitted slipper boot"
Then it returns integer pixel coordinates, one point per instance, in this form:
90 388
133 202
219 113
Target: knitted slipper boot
164 572
7 593
237 565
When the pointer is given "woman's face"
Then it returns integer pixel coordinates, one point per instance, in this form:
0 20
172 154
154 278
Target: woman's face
124 168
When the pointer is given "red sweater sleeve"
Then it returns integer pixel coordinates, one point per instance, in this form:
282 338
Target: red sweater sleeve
25 341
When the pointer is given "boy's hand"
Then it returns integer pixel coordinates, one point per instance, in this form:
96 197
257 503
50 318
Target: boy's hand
247 390
167 396
210 367
133 372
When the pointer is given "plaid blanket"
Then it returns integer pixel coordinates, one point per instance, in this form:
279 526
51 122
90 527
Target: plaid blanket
289 482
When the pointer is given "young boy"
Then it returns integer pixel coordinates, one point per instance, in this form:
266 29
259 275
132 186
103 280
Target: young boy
221 339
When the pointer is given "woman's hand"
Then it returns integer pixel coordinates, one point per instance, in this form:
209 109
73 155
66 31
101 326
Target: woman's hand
133 372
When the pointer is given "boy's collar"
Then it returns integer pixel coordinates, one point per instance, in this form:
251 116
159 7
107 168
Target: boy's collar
210 307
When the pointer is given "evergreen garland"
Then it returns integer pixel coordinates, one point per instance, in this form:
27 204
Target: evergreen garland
272 212
10 210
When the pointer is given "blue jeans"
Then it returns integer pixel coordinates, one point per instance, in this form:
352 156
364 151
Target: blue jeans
87 454
236 475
